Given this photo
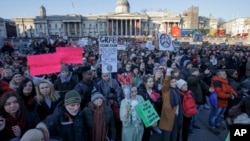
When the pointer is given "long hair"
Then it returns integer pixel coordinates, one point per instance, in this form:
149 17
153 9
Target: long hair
53 95
21 113
23 84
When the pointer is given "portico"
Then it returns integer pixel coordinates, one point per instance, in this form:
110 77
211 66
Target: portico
124 27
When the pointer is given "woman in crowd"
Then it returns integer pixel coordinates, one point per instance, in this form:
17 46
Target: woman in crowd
7 74
132 126
147 92
171 115
67 121
46 99
15 81
158 79
14 118
137 78
99 119
65 81
27 91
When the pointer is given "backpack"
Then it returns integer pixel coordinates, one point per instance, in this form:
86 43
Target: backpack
188 104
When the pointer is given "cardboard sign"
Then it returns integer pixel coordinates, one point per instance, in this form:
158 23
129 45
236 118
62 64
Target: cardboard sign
147 113
70 55
197 38
44 64
108 51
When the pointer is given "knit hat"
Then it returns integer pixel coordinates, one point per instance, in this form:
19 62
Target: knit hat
72 97
85 69
191 70
96 95
64 68
185 63
180 83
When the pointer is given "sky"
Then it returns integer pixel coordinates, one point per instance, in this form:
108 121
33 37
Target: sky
225 9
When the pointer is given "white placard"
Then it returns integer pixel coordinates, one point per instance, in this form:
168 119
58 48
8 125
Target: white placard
165 42
108 48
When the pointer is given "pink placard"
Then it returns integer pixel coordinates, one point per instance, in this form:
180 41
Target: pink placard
44 64
70 55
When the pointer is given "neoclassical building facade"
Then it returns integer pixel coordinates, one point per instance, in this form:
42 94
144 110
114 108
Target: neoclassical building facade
122 22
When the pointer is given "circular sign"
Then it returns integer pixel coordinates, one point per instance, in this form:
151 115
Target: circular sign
165 40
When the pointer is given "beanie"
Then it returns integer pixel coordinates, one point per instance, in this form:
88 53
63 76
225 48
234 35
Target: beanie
72 97
180 83
64 68
191 70
96 95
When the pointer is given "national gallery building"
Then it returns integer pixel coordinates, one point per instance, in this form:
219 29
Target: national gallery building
122 23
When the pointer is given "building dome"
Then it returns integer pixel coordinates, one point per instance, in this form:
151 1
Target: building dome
42 11
122 6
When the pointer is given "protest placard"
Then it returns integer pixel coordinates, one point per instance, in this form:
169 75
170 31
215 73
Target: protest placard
165 42
44 64
147 113
70 55
108 51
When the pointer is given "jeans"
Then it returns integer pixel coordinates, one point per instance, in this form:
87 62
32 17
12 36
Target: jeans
195 117
215 116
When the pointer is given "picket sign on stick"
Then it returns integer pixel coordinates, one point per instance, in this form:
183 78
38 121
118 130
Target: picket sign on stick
70 55
44 64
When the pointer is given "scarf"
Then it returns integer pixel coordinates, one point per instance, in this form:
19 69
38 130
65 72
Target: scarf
67 78
14 121
174 97
99 133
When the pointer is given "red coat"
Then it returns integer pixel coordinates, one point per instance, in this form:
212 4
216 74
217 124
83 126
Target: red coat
223 90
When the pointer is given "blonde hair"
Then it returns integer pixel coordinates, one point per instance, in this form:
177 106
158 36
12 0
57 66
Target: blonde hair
40 133
52 95
4 71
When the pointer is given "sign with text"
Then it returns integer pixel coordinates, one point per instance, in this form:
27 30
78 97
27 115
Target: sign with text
70 55
44 64
165 42
147 113
108 51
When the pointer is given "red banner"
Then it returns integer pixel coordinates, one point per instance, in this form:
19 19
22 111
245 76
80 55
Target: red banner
70 55
44 64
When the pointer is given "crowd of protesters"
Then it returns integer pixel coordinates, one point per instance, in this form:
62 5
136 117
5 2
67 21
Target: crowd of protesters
82 103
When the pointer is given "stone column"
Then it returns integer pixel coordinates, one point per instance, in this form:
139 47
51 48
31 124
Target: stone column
112 28
76 30
64 29
126 27
107 27
130 27
121 27
135 27
80 28
140 27
116 28
68 29
98 32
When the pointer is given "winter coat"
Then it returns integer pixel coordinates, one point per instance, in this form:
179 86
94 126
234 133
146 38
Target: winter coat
110 89
64 87
61 124
199 88
223 90
248 69
168 112
108 116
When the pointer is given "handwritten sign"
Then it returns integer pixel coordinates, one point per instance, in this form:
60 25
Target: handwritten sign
70 55
108 51
197 38
147 113
44 64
